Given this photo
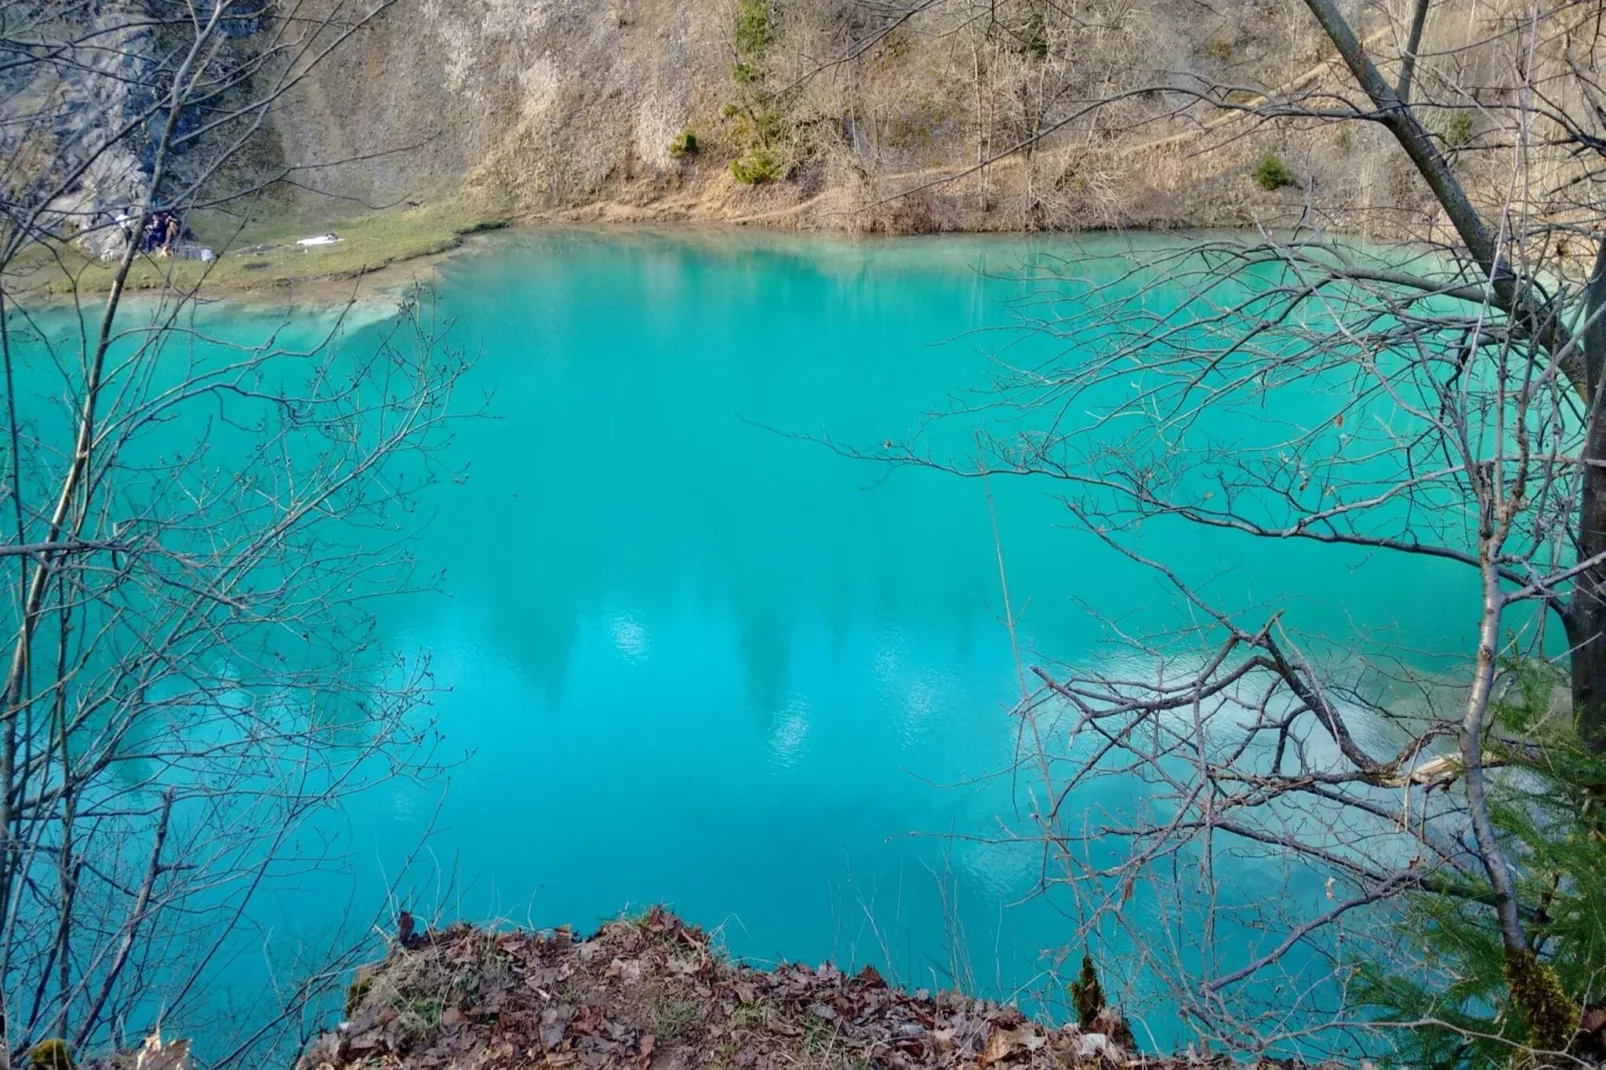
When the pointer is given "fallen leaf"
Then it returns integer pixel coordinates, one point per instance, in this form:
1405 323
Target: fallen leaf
1006 1044
870 977
554 1026
628 972
745 993
545 978
1096 1045
450 1016
154 1055
647 1043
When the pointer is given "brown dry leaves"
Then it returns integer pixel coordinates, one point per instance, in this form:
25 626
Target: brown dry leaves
651 993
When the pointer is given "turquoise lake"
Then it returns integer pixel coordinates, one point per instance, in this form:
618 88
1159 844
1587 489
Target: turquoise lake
692 655
698 660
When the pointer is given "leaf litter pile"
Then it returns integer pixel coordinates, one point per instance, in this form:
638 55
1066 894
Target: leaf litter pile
651 993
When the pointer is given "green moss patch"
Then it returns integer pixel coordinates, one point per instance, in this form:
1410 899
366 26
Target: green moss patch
263 254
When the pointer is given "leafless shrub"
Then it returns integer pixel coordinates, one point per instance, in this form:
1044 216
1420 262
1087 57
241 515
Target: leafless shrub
1435 400
197 528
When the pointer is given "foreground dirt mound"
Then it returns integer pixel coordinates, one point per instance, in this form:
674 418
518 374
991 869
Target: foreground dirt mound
651 993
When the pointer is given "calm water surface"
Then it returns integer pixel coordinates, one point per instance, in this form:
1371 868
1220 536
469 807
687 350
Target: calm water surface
698 660
693 657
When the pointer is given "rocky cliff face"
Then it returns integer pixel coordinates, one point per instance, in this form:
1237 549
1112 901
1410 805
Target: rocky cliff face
79 86
863 115
560 107
536 103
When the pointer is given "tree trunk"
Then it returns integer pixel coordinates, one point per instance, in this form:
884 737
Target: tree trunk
1586 627
1586 618
1586 615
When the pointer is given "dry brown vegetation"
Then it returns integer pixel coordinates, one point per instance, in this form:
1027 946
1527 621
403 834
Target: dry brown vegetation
919 115
652 991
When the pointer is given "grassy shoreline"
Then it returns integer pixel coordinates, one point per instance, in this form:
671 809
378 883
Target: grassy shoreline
262 259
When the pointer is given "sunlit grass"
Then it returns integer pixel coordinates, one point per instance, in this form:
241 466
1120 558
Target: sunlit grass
262 254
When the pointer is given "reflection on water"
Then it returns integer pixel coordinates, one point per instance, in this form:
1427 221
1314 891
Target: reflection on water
698 659
693 657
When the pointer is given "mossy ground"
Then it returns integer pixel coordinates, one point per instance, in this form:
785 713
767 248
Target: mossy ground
261 254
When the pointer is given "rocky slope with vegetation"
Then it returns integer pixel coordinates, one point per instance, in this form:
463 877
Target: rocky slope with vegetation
430 118
910 116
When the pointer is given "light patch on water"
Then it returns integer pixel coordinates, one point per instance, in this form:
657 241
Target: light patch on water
1226 722
789 734
919 700
629 637
1004 870
887 659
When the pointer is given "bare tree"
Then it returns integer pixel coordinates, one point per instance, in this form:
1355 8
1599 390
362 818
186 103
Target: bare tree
1436 399
196 528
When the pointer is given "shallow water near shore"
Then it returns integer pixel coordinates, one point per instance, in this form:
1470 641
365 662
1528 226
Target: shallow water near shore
691 654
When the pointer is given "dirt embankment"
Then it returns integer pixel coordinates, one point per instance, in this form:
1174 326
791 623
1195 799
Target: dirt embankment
859 119
927 116
936 115
652 993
